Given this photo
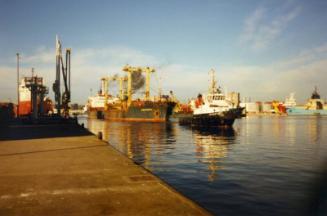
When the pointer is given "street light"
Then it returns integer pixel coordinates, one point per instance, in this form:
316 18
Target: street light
17 54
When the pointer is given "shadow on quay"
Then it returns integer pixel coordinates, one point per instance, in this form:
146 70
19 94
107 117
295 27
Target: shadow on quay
51 150
38 131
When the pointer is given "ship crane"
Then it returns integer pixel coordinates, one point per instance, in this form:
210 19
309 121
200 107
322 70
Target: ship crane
105 88
130 70
121 81
62 101
105 81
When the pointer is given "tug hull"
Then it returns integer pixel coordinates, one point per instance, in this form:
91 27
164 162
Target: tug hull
218 119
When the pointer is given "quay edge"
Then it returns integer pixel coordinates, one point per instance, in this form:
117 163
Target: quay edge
69 171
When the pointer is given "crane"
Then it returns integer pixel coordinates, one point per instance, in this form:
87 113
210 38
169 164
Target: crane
62 68
130 70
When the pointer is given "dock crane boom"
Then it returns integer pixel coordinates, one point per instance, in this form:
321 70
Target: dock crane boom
62 101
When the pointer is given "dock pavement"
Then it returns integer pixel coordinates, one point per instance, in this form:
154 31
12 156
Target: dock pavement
66 170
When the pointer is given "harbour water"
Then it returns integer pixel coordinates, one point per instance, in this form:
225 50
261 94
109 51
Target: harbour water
264 166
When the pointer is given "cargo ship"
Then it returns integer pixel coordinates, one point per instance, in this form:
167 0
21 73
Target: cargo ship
314 106
123 107
211 110
95 106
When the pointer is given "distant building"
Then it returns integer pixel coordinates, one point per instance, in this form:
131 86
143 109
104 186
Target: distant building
234 97
251 107
267 107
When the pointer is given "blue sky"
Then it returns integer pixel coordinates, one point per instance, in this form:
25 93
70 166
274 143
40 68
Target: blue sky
263 49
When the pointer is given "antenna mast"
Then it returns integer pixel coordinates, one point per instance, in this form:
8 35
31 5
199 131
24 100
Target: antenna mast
213 88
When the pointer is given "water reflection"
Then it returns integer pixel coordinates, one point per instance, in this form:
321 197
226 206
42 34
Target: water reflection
139 141
290 131
314 128
220 169
211 145
148 142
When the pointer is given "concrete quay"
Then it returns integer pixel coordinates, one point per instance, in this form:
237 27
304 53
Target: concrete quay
65 170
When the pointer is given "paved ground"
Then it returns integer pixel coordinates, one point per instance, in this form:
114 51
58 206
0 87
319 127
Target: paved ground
79 175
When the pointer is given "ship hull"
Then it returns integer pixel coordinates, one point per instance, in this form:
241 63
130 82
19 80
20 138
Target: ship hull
95 114
24 108
140 112
212 121
221 119
298 111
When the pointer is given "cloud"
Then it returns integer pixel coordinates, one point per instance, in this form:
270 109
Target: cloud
42 55
298 73
251 24
88 66
306 56
8 84
260 29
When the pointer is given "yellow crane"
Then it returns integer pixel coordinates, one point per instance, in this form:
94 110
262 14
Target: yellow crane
121 81
105 88
130 70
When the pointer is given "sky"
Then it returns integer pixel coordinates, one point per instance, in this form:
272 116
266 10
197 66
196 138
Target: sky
263 49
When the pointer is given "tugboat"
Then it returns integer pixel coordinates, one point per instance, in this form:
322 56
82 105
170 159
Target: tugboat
212 110
315 106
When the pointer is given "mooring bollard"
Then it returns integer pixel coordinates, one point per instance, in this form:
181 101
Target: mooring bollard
100 135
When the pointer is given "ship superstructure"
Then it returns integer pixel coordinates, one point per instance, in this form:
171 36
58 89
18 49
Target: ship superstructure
290 101
32 98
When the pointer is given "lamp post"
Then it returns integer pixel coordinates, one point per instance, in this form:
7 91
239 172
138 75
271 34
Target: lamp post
17 54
